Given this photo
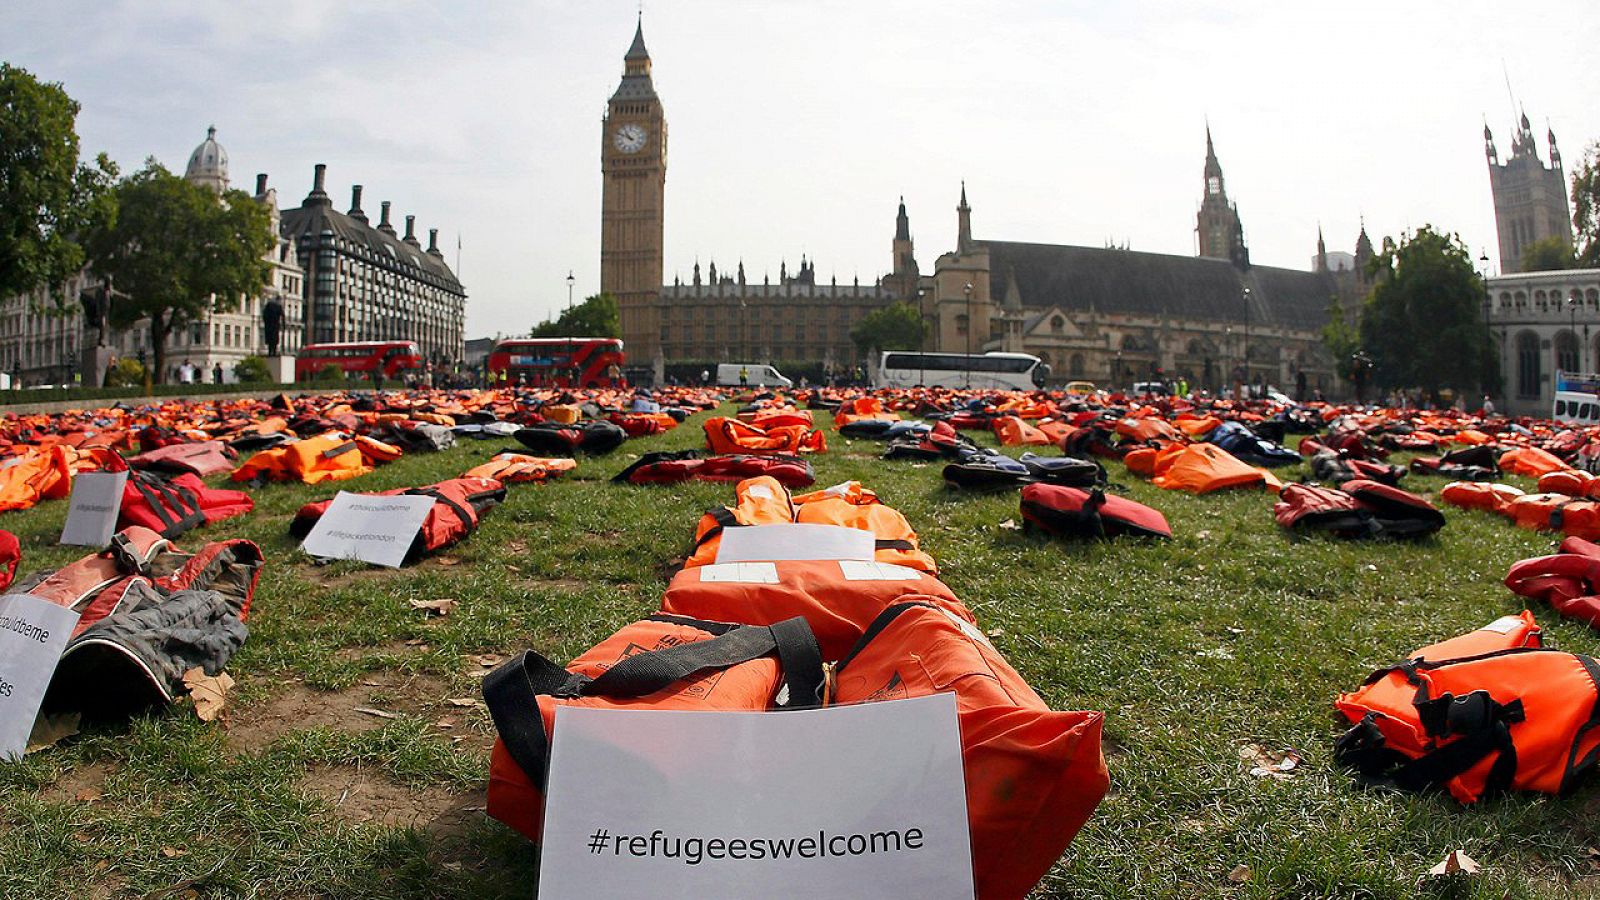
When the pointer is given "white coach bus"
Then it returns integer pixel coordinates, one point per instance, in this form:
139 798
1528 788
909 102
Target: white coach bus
984 371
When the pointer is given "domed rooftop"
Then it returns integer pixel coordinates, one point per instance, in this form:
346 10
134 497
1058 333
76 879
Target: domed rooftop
208 164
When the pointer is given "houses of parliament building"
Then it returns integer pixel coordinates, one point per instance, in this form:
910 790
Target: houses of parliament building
1096 313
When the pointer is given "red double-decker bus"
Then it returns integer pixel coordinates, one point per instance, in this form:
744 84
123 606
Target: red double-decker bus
360 358
557 362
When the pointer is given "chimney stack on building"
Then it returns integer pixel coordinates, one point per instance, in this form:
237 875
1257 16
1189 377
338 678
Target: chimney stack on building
411 232
383 219
318 196
433 242
355 205
261 184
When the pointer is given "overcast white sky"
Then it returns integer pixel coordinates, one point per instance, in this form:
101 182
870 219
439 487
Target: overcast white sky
795 126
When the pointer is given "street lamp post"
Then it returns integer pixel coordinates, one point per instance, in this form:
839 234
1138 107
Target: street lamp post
1116 373
1572 325
968 290
922 340
1247 339
570 282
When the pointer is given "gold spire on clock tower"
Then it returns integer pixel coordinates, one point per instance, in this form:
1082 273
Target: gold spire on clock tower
633 164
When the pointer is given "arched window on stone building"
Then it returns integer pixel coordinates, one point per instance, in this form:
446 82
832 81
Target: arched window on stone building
1527 364
1076 366
1566 351
1058 324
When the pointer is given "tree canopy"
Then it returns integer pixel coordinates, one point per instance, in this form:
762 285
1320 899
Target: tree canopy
1586 207
47 200
596 316
1548 254
179 251
1423 322
898 326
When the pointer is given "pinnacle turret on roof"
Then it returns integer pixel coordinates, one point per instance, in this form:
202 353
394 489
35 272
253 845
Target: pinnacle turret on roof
637 51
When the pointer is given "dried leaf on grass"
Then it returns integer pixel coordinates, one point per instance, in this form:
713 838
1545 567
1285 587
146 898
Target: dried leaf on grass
469 702
1455 862
441 607
1010 525
1265 763
448 561
210 692
488 660
47 730
173 852
382 714
1240 874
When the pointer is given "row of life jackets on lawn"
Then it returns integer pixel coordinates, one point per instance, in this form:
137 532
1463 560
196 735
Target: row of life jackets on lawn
758 635
1573 515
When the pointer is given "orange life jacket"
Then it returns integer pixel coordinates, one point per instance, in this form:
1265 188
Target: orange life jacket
1531 461
1033 775
635 669
1013 432
36 475
327 457
1202 468
1572 482
1556 512
1480 495
724 435
837 598
852 506
762 500
511 468
1507 714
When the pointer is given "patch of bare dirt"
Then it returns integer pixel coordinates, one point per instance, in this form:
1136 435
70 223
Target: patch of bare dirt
81 785
564 585
296 707
321 575
364 796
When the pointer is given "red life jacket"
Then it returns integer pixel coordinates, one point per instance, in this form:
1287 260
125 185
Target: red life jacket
172 506
1075 512
460 504
140 561
10 556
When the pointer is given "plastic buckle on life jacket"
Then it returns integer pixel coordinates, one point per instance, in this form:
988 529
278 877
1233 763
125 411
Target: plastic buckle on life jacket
128 558
1451 715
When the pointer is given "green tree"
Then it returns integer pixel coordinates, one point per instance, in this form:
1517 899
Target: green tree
47 200
252 370
1423 322
898 326
1341 335
1586 207
1548 254
594 317
179 251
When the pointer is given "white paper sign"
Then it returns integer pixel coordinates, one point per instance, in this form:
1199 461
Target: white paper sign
33 633
92 512
851 801
794 541
377 530
739 573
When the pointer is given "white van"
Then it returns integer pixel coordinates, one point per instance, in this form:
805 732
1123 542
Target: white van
1576 408
757 375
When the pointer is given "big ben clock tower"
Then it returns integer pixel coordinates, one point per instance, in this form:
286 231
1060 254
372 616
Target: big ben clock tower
633 163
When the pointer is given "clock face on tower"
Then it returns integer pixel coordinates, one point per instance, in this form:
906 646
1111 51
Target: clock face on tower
630 138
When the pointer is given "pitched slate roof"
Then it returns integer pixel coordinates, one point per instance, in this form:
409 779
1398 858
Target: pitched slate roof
1157 284
314 218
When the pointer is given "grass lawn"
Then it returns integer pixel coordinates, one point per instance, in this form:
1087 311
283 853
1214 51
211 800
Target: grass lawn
343 769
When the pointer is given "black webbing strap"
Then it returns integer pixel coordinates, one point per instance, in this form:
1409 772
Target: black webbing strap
725 518
512 690
468 520
345 447
893 544
1576 766
177 507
